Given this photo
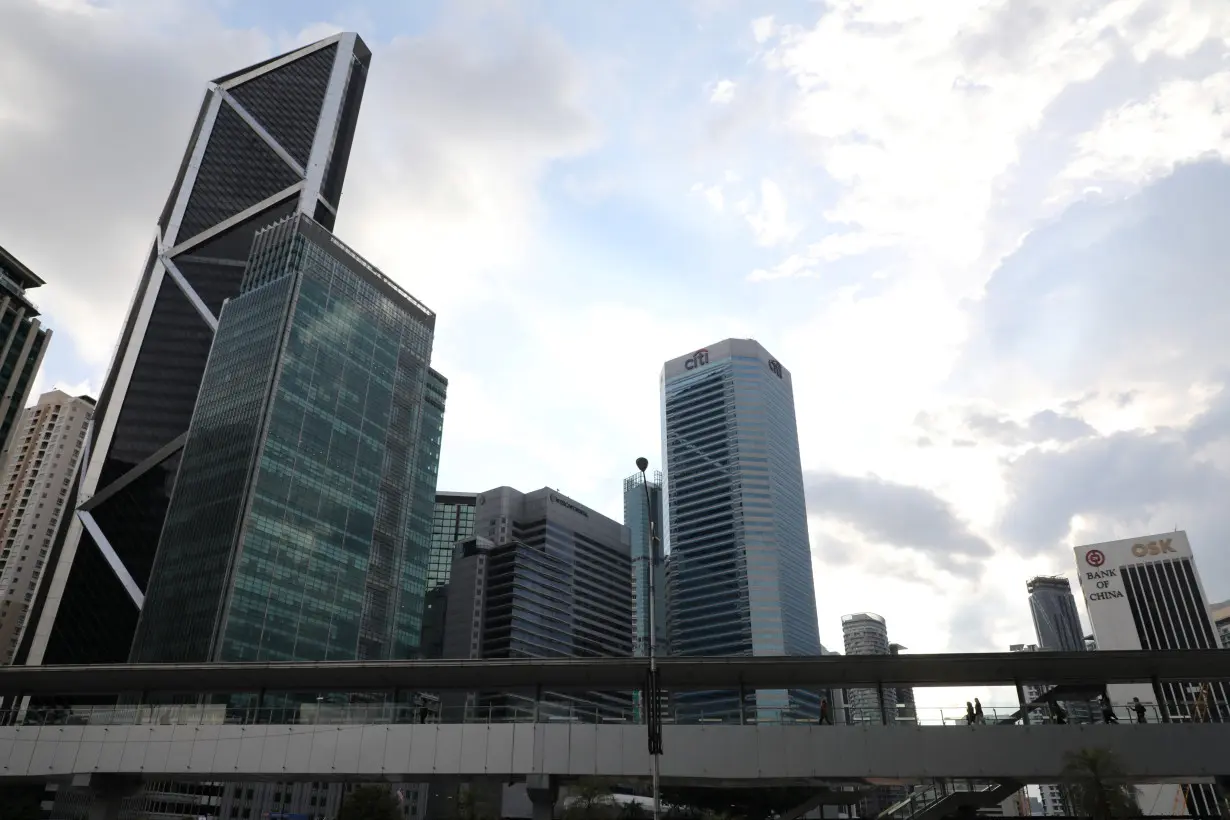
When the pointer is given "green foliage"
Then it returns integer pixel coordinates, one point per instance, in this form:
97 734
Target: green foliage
370 803
697 803
1095 785
590 800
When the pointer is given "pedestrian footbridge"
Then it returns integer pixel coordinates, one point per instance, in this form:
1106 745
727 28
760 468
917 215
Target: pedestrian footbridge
719 754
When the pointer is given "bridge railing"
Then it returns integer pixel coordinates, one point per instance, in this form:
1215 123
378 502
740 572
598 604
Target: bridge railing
383 713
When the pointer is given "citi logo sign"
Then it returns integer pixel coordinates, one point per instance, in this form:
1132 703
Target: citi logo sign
1153 548
700 357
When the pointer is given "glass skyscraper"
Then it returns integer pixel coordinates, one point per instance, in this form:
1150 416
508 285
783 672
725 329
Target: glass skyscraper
639 512
741 574
452 519
1057 623
270 140
300 525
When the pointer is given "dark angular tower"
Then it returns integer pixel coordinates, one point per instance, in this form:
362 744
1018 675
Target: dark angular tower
269 141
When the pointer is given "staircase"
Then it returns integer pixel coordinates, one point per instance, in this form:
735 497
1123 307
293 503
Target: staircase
945 798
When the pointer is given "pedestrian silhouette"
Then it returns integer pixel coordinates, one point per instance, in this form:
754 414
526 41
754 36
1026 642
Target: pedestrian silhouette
1139 709
824 712
970 716
1108 711
978 716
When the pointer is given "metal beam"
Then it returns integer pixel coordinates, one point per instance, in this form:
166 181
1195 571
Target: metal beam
627 674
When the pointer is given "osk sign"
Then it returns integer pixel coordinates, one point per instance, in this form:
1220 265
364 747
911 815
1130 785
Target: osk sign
1162 546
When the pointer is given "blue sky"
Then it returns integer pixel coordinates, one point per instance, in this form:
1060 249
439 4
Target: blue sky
985 237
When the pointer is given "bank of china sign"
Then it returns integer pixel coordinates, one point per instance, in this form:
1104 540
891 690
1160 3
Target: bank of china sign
1104 580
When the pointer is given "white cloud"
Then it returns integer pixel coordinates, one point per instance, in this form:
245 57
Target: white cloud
829 249
769 221
1141 141
763 28
723 92
712 194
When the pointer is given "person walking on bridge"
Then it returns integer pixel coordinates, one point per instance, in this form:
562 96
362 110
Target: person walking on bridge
979 717
1108 711
824 712
970 715
1139 709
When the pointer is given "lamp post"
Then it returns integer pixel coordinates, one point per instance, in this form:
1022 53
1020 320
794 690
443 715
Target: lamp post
653 695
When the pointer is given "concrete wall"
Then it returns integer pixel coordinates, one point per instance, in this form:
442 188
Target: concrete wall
1158 752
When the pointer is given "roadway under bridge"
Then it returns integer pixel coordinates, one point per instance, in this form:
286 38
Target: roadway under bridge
713 755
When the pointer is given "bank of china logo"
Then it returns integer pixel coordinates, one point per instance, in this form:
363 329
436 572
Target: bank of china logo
1095 558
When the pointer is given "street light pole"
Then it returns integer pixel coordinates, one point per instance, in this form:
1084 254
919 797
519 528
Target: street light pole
652 690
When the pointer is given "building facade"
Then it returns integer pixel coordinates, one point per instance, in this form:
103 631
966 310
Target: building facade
643 518
452 520
37 478
300 526
1221 620
270 140
1146 593
23 341
543 577
741 573
865 633
1057 623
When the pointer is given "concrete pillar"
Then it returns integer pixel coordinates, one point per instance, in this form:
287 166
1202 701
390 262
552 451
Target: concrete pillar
543 791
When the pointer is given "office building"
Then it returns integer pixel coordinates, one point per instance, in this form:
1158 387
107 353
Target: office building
643 518
1057 624
866 633
36 479
543 577
23 341
452 520
300 526
741 574
1221 619
270 140
1146 593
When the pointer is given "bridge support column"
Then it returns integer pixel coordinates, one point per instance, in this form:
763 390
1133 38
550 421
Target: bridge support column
543 791
1020 699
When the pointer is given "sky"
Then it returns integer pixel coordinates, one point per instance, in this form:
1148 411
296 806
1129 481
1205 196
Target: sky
987 237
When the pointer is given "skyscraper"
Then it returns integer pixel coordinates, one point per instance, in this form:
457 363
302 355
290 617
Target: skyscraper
270 140
640 513
23 341
1145 593
36 479
543 577
300 524
1057 624
452 519
741 574
865 633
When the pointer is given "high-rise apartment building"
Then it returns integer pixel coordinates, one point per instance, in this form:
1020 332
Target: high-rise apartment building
741 574
543 577
300 525
1221 620
270 140
643 518
1145 593
36 479
23 341
1057 623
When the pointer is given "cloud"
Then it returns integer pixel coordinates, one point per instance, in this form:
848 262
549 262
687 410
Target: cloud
1043 426
1124 293
926 119
723 92
1128 483
769 221
898 515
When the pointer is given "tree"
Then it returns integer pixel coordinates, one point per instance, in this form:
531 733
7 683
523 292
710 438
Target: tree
370 803
1095 785
589 800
